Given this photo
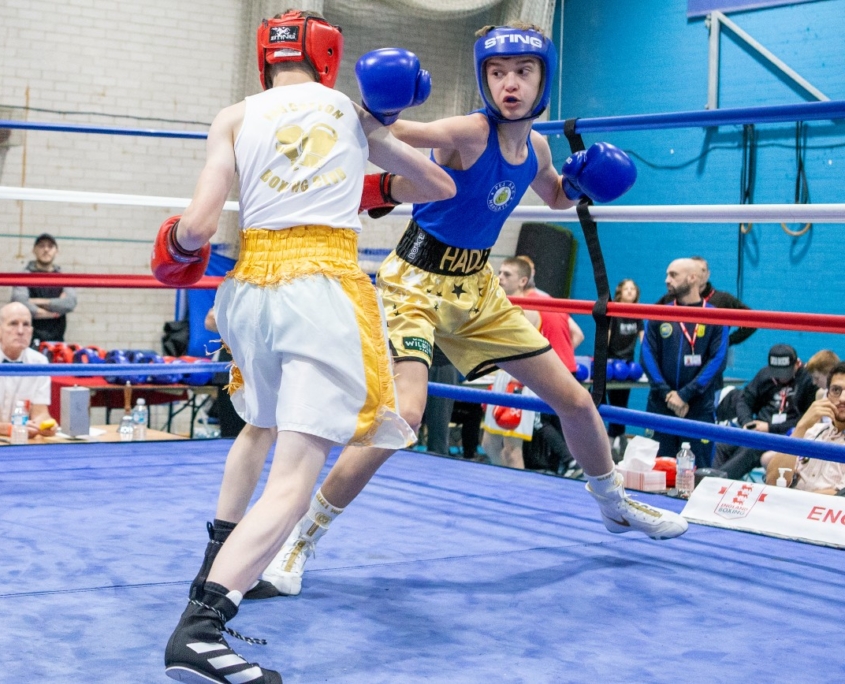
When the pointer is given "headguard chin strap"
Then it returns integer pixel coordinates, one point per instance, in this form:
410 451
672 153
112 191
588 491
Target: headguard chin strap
297 38
504 41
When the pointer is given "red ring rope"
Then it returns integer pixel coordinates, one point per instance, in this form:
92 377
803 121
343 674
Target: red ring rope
98 280
654 312
777 320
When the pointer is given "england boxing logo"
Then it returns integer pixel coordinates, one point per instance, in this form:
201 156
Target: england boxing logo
500 195
738 499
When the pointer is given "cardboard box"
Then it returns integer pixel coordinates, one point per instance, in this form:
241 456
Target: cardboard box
644 481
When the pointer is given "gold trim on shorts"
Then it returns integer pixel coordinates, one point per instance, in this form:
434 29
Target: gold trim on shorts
271 258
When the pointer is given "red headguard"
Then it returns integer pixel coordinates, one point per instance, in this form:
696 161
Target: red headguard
297 38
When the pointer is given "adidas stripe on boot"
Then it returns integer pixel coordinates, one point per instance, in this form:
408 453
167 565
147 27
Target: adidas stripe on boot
197 653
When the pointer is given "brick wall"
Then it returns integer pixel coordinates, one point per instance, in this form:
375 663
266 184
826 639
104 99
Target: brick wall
112 65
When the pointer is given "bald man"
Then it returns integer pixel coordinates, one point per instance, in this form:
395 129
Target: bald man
15 337
718 298
683 362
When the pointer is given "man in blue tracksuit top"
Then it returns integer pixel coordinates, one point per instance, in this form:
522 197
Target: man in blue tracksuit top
682 360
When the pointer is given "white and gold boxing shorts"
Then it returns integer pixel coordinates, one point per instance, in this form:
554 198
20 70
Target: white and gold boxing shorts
308 339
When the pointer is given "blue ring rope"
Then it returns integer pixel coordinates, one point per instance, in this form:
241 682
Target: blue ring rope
88 369
674 426
805 111
108 130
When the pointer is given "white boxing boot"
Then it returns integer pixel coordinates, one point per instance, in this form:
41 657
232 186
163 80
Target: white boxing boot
620 513
286 569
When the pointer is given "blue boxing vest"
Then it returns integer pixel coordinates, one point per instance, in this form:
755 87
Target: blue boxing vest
487 193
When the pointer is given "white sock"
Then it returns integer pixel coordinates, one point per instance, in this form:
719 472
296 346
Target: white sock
235 597
318 518
603 484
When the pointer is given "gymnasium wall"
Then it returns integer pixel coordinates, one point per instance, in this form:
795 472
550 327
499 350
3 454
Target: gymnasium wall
154 64
643 57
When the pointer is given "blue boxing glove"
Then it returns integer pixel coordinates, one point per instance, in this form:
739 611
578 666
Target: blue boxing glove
620 370
635 371
603 173
391 80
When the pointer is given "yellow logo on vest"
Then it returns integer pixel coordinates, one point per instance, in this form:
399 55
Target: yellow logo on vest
306 149
665 330
700 329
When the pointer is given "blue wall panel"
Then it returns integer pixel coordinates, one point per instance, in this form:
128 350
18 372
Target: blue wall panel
621 57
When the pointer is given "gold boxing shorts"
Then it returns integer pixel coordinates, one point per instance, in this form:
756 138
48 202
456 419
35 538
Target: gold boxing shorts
468 316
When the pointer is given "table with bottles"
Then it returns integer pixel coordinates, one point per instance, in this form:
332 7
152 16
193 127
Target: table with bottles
99 433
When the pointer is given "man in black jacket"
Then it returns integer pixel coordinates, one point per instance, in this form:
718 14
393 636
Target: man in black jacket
49 306
772 402
718 299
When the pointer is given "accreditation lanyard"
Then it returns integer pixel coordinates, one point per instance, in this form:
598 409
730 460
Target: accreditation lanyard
780 416
691 359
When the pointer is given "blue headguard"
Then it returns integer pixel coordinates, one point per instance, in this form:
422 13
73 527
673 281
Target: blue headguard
504 41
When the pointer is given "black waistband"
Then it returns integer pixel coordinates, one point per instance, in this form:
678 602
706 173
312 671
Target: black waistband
425 251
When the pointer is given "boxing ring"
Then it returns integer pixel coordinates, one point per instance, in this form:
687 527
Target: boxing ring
442 570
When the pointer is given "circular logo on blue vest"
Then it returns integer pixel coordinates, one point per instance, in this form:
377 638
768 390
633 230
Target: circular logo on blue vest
500 195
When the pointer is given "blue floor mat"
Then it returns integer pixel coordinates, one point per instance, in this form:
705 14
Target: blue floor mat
442 571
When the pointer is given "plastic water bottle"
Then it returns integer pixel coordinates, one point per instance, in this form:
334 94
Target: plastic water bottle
20 435
139 421
685 475
126 428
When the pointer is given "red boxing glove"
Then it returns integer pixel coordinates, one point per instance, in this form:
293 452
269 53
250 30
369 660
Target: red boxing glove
668 466
507 418
514 387
173 265
376 199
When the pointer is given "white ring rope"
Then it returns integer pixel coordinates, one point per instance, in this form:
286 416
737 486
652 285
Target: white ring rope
681 213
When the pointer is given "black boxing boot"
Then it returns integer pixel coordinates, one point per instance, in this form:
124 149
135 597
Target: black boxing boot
218 533
197 653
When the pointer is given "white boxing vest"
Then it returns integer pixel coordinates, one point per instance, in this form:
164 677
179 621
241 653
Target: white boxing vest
301 155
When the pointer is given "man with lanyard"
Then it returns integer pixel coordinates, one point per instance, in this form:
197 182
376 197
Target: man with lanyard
718 298
682 361
775 399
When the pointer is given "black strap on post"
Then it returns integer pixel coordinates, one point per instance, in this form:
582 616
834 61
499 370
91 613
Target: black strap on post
576 144
591 236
